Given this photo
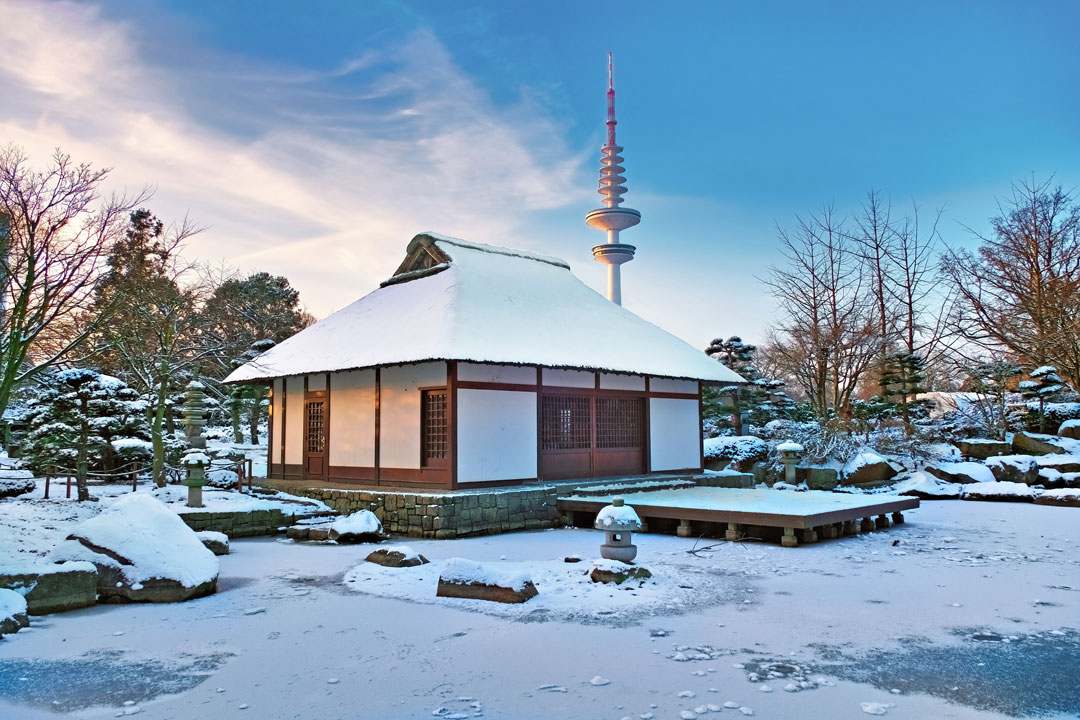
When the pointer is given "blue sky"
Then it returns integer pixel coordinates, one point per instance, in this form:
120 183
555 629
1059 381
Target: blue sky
313 140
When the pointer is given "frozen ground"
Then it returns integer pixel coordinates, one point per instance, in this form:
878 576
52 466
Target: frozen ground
970 610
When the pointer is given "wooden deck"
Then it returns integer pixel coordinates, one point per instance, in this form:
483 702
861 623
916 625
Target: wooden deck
815 513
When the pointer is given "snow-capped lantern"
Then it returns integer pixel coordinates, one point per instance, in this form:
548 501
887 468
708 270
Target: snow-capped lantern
195 460
618 521
790 455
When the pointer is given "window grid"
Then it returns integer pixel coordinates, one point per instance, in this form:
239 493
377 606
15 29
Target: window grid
567 422
618 423
434 441
316 439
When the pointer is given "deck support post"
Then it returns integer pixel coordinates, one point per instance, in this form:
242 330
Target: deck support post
867 524
732 532
684 529
882 522
788 539
830 531
898 518
809 535
850 527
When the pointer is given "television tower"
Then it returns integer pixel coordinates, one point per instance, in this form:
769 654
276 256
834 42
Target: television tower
611 218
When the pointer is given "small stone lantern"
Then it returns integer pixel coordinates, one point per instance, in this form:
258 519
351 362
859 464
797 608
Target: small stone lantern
790 454
618 521
195 459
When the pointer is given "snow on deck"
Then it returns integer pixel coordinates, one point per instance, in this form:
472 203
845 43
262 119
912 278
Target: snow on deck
776 508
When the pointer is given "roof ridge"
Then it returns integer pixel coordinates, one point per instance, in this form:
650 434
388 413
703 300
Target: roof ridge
497 250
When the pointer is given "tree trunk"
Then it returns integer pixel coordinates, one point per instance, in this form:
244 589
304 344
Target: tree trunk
84 440
158 471
256 415
235 401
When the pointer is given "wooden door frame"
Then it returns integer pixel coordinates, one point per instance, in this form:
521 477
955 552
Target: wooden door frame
310 396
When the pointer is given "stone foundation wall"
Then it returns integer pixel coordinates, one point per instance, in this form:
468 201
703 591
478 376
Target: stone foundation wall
238 524
455 515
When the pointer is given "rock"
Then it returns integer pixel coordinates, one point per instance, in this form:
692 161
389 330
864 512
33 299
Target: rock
868 468
397 557
1070 429
52 588
818 478
572 559
961 472
1062 498
16 482
13 615
617 573
215 542
472 580
1032 444
999 492
319 532
982 449
297 532
1014 468
143 552
361 526
1050 478
1062 464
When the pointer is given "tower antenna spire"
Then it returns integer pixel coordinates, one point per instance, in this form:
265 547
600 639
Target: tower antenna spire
612 218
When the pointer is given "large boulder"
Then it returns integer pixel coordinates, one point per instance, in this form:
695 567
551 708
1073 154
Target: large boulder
52 588
475 581
1014 468
999 491
1060 463
867 468
1033 444
927 487
15 482
397 556
361 526
143 552
818 478
740 452
961 472
1051 478
981 449
13 615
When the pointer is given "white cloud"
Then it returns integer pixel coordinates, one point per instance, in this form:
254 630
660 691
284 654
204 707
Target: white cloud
321 177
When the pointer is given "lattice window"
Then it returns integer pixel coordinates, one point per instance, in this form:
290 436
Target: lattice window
619 422
316 437
433 440
567 422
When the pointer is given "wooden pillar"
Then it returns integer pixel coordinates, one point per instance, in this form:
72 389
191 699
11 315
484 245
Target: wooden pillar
451 419
378 415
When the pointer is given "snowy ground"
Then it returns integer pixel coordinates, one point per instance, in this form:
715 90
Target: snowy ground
970 610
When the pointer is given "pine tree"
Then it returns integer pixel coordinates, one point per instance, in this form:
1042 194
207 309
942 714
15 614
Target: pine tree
1045 384
79 420
761 399
990 382
902 378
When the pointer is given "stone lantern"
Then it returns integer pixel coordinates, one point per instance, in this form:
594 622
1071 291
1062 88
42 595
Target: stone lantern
618 521
790 454
196 459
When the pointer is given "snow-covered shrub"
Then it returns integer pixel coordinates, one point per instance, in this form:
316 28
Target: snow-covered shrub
78 403
1055 413
741 451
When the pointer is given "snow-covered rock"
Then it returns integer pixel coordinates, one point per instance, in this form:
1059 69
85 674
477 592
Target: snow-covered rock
1067 497
739 452
1034 444
867 467
397 556
1051 478
225 479
462 578
215 542
1014 468
1003 491
1070 429
361 526
961 472
13 615
143 553
15 482
981 448
615 572
50 587
927 487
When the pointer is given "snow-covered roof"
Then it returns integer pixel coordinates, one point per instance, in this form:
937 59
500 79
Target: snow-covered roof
482 303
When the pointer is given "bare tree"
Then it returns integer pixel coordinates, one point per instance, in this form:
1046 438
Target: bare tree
828 335
54 235
1019 293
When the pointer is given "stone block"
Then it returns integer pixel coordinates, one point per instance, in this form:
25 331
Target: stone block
983 449
53 588
1032 444
818 478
